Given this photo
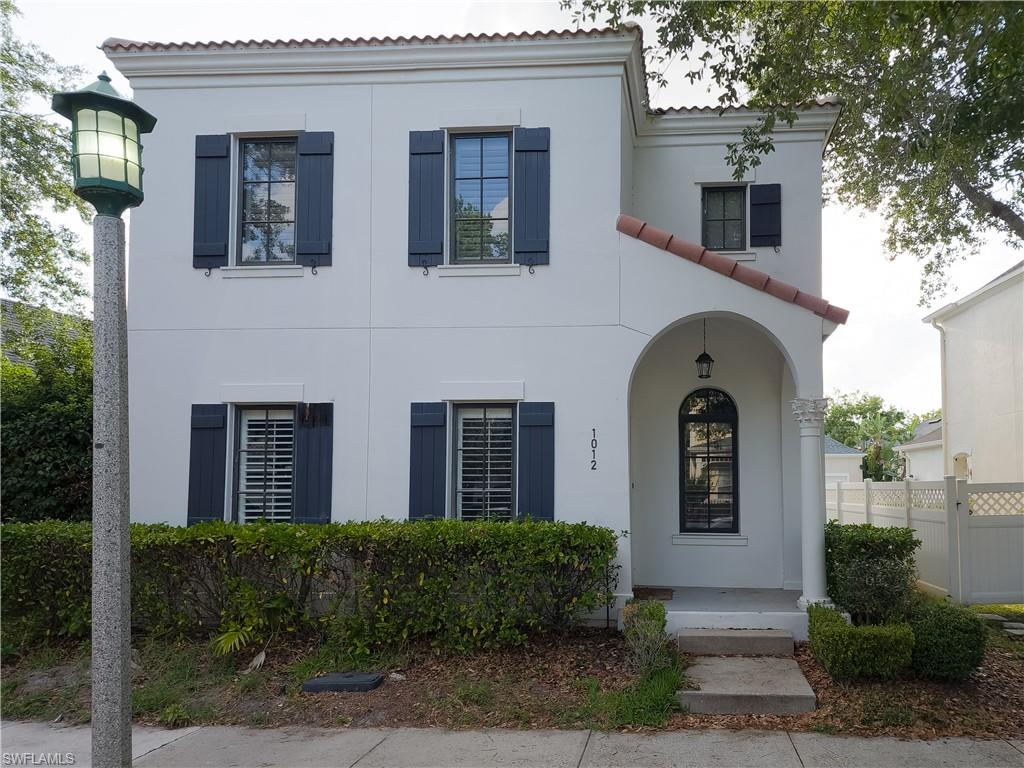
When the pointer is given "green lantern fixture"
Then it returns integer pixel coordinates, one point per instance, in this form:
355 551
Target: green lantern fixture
106 152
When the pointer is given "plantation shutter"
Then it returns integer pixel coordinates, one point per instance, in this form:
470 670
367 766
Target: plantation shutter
207 464
314 198
484 462
531 209
537 460
314 455
765 214
427 461
426 198
266 464
212 206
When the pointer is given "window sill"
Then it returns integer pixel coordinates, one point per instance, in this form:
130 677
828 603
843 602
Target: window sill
283 270
478 270
739 255
710 539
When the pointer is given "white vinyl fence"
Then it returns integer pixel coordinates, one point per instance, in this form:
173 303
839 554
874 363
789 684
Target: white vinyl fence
972 534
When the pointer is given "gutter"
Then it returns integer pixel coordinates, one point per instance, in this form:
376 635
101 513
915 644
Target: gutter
937 325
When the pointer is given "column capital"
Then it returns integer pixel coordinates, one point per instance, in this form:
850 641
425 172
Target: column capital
809 411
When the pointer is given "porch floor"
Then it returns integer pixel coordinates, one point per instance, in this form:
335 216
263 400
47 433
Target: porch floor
726 608
725 600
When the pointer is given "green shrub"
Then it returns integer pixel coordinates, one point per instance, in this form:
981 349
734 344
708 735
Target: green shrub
643 624
949 640
850 652
870 571
459 585
46 417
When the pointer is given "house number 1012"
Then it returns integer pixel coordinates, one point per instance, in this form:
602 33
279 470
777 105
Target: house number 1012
593 449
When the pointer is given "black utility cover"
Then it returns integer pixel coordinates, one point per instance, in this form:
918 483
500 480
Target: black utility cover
338 682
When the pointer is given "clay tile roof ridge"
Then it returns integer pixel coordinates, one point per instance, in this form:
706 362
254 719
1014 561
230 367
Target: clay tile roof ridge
729 267
116 44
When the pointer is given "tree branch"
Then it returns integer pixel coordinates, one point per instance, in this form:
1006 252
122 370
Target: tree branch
989 205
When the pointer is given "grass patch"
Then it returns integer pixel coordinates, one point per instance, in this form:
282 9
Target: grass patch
1009 611
172 681
646 702
882 710
997 638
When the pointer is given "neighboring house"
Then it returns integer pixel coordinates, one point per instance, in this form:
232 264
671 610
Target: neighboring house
982 338
12 326
923 452
468 277
842 463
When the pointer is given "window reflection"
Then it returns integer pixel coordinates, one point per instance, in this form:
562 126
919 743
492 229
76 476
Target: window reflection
707 423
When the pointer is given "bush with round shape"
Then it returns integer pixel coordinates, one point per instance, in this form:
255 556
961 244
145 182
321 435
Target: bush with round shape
949 640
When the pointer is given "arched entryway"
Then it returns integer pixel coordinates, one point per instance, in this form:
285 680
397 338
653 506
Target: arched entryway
714 463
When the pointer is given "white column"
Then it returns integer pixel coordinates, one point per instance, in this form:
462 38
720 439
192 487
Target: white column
810 414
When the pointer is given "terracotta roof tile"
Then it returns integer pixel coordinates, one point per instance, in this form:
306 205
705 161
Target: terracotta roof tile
118 45
755 278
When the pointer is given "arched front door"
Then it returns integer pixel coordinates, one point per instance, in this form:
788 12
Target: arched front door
708 482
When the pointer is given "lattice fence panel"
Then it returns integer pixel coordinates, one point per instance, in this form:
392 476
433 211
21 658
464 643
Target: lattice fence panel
996 503
853 496
928 498
889 497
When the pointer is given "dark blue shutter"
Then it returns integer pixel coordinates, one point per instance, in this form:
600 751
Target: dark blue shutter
207 463
531 205
765 214
314 202
426 198
212 206
314 455
427 461
537 460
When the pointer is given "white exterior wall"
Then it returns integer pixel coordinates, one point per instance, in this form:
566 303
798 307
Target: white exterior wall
843 467
373 335
924 463
983 385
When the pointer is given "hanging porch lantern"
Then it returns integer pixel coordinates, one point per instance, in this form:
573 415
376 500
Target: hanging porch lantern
704 361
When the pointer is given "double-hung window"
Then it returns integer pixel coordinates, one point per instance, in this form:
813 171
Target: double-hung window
267 215
265 463
484 462
724 219
481 213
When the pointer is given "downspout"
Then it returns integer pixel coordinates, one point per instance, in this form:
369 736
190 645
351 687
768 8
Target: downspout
946 463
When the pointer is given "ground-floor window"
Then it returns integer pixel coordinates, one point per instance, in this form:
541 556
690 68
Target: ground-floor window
484 462
265 463
708 453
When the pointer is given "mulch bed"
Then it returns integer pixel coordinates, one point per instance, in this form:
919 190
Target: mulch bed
541 685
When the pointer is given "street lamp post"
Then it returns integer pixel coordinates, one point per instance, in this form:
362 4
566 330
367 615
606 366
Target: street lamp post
107 167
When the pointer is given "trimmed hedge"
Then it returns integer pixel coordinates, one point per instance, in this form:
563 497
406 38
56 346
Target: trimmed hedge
949 640
459 585
855 652
870 571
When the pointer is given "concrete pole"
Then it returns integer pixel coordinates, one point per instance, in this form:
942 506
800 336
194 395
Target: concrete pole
111 603
810 414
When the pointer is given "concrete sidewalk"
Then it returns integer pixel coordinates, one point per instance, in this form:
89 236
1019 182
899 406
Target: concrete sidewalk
423 748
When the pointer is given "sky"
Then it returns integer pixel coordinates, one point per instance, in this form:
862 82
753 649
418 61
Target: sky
884 348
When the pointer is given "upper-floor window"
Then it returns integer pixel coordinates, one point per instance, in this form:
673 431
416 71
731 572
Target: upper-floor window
708 480
724 219
265 463
481 213
267 223
484 462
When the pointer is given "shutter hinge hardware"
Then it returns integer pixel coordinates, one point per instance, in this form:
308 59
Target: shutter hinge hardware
531 269
208 272
426 267
312 267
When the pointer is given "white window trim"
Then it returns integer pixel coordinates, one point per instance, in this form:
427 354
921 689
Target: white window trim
710 539
234 476
746 254
235 268
449 268
451 442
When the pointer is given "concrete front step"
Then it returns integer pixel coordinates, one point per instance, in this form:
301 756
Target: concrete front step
736 685
736 642
795 620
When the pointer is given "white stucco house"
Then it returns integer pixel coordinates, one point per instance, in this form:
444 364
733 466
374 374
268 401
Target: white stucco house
982 352
923 453
469 277
843 464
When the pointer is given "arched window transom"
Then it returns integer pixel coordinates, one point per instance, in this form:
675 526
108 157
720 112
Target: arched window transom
708 482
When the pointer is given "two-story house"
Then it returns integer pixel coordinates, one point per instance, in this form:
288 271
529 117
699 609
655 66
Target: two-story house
470 277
